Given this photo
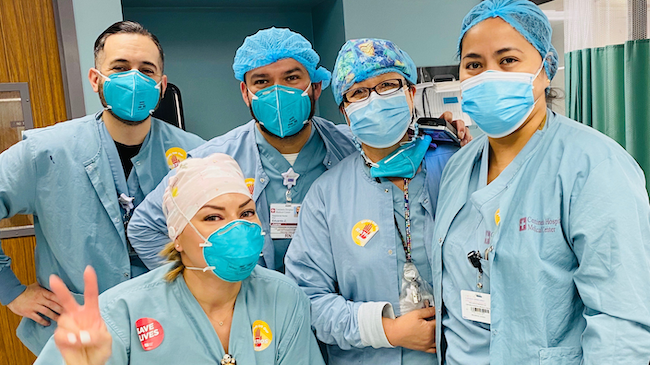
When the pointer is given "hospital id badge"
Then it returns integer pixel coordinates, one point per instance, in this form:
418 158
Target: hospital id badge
284 220
476 306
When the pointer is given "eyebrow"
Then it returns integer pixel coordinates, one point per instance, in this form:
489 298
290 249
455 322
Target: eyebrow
222 208
297 69
507 49
472 55
121 60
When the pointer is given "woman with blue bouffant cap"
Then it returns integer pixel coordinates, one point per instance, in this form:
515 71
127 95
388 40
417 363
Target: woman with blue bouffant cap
544 255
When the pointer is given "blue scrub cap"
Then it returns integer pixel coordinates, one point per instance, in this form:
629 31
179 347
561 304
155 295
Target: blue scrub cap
361 59
274 44
527 19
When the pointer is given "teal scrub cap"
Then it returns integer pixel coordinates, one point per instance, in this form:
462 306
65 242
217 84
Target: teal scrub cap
361 59
527 19
274 44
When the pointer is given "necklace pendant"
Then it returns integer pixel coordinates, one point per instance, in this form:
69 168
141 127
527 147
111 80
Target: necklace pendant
221 323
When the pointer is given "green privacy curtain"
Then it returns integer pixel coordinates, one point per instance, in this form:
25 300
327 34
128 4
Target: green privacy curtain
608 88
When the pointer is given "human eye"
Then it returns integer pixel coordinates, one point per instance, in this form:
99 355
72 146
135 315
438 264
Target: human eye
248 213
509 60
472 65
212 218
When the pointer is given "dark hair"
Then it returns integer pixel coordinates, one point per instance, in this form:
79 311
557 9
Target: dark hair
127 27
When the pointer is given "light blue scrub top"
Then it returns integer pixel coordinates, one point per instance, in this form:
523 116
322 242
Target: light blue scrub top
309 165
188 336
63 176
571 253
130 188
475 228
340 276
148 228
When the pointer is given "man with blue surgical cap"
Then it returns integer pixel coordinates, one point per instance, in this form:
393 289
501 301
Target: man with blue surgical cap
81 179
544 256
281 151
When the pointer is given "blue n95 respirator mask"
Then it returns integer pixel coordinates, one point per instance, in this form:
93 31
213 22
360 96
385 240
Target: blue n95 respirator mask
499 102
232 251
131 95
381 120
282 110
404 162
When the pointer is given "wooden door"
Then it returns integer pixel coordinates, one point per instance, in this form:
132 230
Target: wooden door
28 53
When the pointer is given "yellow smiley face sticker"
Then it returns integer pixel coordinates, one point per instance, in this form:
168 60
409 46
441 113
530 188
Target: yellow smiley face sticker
262 335
363 231
175 156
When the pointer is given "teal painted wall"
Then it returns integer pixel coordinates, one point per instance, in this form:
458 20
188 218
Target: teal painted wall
426 29
329 36
92 17
200 45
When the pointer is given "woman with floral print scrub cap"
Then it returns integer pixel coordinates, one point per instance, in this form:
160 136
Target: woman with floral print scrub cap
362 248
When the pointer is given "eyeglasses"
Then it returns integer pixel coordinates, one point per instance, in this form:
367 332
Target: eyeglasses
385 87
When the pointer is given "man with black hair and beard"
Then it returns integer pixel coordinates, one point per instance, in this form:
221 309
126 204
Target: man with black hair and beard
82 179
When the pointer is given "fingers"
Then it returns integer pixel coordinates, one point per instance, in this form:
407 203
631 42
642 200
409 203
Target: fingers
53 301
447 116
91 291
34 316
63 295
49 313
426 312
460 128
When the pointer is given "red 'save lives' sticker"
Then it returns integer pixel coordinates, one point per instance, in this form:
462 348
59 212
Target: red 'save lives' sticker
150 333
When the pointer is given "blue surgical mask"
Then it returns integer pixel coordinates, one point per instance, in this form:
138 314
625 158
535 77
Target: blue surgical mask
381 120
131 95
403 162
233 250
499 102
282 110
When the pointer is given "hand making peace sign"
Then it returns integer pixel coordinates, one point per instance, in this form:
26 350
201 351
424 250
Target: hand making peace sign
81 335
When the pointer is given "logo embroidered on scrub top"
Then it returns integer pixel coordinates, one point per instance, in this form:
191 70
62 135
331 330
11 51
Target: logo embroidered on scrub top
150 333
250 184
262 335
363 231
497 217
175 156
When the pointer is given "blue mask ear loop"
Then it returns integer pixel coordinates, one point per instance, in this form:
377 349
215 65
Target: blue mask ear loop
107 107
205 243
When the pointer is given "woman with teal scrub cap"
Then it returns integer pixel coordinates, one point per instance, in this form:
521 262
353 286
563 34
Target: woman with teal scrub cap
211 304
362 247
542 253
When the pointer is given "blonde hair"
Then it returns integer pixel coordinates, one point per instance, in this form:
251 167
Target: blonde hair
172 255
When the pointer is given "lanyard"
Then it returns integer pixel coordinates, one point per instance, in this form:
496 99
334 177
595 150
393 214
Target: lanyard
406 244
